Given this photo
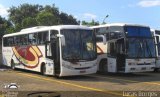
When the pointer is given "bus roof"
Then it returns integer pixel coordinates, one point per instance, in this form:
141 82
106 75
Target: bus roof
155 30
118 24
45 28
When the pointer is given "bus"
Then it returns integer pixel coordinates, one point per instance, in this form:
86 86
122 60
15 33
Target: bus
63 50
129 48
156 35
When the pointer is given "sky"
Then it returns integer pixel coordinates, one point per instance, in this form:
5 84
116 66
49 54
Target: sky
145 12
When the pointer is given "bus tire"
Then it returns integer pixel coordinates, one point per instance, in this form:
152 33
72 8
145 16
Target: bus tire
43 69
12 65
57 76
103 66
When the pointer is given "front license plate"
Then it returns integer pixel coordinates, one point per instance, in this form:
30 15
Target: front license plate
82 71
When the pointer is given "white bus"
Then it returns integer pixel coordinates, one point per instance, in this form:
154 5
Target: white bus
64 50
156 35
129 48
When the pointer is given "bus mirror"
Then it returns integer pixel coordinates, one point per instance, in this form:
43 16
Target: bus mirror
103 38
62 39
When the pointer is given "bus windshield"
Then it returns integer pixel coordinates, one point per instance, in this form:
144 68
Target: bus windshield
140 48
135 31
140 43
80 44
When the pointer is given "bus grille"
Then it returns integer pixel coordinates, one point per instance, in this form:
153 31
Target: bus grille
82 68
144 64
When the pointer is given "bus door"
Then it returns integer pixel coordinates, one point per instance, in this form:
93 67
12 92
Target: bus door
55 50
111 57
120 55
52 51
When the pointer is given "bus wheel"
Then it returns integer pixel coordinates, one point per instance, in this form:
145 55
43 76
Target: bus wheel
12 65
57 76
103 66
43 69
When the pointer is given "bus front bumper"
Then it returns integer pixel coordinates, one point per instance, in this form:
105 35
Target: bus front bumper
141 68
74 72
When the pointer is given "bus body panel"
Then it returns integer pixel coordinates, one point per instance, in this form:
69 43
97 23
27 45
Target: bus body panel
7 54
111 31
158 62
112 67
78 68
156 36
34 56
139 65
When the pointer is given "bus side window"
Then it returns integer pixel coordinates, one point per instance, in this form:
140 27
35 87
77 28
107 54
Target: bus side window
107 36
5 41
10 41
157 39
32 39
42 37
24 39
17 40
112 51
99 39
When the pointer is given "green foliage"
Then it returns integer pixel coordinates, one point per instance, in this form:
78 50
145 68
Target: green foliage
45 18
27 15
29 22
17 14
67 19
92 23
4 24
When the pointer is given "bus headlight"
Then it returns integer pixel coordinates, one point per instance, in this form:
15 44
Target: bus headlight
67 66
131 63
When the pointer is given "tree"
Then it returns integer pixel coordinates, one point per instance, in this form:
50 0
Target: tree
67 19
92 23
17 14
29 22
4 25
45 18
27 15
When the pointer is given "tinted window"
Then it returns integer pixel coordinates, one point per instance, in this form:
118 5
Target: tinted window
112 49
157 38
5 42
99 39
17 40
42 37
32 38
53 35
133 31
10 41
157 32
23 39
115 35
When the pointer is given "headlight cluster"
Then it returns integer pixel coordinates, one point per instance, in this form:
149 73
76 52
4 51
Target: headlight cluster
132 63
67 66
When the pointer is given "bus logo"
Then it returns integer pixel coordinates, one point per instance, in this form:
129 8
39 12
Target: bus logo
28 55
